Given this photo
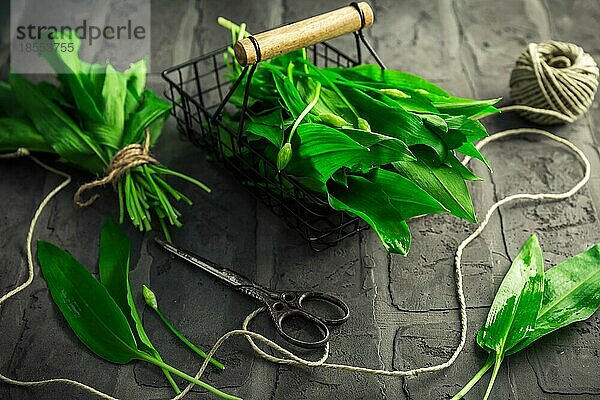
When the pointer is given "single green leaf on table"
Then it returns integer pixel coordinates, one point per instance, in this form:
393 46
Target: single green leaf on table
517 302
384 200
93 315
516 305
86 305
113 265
571 294
513 312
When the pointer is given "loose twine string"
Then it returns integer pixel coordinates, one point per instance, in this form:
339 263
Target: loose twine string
552 108
130 156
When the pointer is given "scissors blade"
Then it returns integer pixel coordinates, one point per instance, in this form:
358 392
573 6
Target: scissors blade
224 274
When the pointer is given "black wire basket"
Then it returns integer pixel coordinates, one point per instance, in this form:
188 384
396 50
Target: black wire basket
200 92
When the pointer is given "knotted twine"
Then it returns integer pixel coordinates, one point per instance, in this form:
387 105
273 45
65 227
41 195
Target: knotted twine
555 110
130 156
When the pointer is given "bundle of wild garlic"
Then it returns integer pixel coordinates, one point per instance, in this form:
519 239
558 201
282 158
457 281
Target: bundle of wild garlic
99 120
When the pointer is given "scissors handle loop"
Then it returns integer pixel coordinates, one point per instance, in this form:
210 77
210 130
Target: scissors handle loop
299 322
337 318
319 335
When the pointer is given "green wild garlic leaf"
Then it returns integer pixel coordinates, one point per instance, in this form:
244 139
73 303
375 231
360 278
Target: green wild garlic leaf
443 183
394 121
390 78
18 133
384 200
58 129
114 91
517 303
151 114
86 305
87 98
93 314
571 294
113 265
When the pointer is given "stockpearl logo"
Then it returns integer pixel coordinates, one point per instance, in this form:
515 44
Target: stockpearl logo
115 31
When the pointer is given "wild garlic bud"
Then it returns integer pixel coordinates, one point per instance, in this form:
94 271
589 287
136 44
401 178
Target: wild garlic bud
395 93
284 156
333 120
364 124
149 297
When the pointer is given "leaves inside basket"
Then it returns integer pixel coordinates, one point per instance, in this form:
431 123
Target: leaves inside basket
378 144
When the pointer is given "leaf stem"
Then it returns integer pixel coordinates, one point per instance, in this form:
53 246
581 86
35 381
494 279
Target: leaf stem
305 111
121 201
476 378
227 24
165 229
290 72
166 372
171 381
145 357
499 359
182 176
333 87
185 340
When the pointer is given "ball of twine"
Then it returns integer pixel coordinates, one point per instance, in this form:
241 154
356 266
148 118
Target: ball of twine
558 77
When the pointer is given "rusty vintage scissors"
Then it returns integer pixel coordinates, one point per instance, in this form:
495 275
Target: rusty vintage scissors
283 306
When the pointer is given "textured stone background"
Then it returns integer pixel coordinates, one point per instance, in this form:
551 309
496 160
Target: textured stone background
404 309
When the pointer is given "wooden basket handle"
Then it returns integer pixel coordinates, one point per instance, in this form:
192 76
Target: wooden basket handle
303 33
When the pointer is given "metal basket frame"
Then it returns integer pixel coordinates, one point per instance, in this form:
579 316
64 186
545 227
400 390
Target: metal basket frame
199 92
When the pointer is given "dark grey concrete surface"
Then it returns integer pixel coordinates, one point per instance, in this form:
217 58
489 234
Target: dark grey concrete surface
404 309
